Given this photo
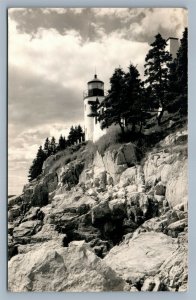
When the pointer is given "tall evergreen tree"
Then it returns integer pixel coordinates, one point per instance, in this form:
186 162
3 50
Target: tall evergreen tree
36 167
182 72
113 106
53 146
62 143
47 146
133 98
182 63
157 72
178 79
79 133
71 136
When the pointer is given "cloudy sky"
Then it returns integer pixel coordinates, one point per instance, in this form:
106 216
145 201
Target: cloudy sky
53 52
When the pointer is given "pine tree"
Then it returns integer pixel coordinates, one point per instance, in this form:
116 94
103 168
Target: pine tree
71 136
182 63
62 143
133 98
53 147
36 167
80 133
113 106
157 72
178 79
182 72
47 147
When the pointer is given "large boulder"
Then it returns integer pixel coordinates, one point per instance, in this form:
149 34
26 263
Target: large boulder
153 164
34 213
22 233
165 172
177 185
100 211
53 268
51 180
171 223
35 193
12 247
126 155
128 177
73 201
70 174
115 161
40 195
140 207
174 271
13 213
178 137
46 234
141 256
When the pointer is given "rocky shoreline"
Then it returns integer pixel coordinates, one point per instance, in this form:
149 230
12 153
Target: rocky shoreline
114 224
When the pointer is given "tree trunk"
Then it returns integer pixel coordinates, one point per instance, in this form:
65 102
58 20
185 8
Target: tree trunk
159 117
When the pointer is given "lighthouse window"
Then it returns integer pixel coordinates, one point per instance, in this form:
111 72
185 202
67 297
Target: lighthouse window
95 85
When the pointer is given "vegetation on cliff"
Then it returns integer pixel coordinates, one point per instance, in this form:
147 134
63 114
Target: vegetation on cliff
76 134
146 111
131 102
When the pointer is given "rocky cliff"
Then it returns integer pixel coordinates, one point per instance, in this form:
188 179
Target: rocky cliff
113 222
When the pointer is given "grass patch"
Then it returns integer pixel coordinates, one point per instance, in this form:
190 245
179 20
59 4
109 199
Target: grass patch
111 139
66 156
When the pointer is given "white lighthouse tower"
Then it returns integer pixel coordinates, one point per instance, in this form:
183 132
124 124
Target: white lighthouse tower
172 46
93 95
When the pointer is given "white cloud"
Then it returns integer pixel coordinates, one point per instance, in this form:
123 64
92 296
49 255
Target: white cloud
60 10
112 11
50 72
65 59
61 60
169 19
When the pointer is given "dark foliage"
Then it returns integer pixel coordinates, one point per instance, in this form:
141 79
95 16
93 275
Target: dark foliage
178 79
76 135
113 106
157 73
37 164
131 102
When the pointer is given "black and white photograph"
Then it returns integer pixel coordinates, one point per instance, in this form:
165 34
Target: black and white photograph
97 149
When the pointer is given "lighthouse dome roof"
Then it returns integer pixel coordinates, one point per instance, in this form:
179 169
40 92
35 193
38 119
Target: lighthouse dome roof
95 79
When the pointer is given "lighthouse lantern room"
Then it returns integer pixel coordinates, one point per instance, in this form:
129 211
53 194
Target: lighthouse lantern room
94 94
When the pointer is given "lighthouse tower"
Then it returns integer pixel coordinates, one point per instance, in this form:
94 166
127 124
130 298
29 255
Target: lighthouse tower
172 46
93 95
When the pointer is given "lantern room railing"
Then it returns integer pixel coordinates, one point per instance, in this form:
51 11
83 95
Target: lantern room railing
94 92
